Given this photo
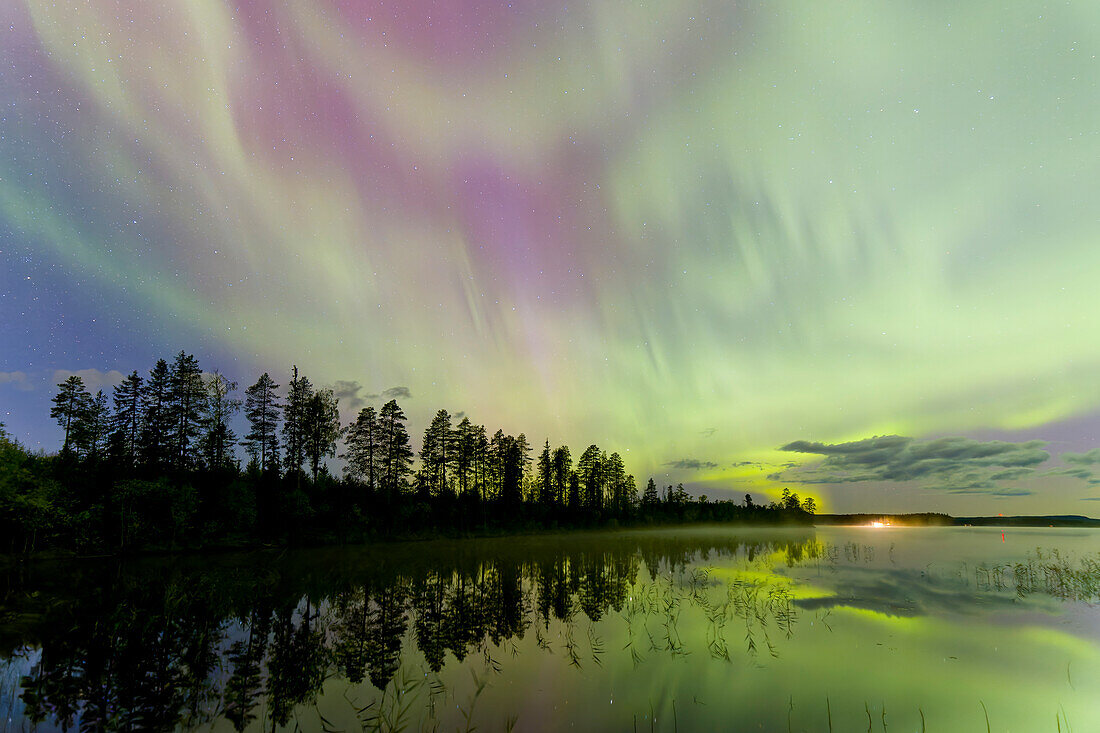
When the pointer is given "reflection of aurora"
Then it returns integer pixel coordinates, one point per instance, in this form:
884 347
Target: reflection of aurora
267 645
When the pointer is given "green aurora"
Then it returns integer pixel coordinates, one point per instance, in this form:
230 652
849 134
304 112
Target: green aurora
692 232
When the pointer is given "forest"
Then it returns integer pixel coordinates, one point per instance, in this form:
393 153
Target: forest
155 466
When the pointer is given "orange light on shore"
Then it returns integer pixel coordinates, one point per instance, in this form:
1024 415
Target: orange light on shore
880 524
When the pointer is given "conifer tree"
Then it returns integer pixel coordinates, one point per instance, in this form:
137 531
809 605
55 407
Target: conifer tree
498 457
299 393
396 453
590 466
92 429
129 417
436 454
321 428
364 449
650 497
481 461
630 494
261 407
157 423
562 467
574 490
614 477
465 448
545 475
69 404
220 438
187 403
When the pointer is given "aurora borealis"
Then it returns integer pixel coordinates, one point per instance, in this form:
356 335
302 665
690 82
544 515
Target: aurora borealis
693 232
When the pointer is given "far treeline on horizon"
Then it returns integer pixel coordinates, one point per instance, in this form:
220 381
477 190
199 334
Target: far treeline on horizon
156 466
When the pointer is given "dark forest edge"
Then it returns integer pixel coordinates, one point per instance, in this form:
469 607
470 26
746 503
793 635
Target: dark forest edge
155 468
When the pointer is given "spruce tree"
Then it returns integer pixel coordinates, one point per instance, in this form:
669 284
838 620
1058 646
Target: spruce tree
69 404
364 449
129 417
219 438
465 448
396 453
436 453
157 423
589 466
187 403
614 477
299 393
261 407
481 461
545 475
93 427
562 467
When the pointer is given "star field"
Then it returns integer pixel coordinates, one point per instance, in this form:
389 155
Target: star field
694 231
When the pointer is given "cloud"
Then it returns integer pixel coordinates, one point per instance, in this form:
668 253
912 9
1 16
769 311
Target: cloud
1012 492
691 464
707 432
1090 458
18 380
394 392
993 491
956 464
347 391
94 379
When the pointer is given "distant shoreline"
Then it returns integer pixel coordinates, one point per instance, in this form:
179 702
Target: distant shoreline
926 519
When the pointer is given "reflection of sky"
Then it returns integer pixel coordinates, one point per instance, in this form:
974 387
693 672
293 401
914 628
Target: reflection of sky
12 669
889 617
899 623
692 229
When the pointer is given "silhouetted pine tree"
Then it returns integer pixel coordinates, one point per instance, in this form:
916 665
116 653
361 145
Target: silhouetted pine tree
187 402
590 466
574 491
129 418
481 461
396 453
294 420
321 428
93 429
157 425
562 465
546 475
261 407
69 404
436 453
219 438
614 475
364 449
465 448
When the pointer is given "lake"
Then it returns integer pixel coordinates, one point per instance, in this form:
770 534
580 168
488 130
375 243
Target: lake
714 628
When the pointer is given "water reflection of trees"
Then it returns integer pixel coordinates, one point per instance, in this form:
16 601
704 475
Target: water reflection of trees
156 645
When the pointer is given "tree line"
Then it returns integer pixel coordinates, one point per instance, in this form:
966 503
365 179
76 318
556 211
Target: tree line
156 464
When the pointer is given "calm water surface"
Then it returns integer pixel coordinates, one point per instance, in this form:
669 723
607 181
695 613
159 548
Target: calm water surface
700 629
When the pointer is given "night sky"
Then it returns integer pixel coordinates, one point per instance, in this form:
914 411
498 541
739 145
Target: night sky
734 242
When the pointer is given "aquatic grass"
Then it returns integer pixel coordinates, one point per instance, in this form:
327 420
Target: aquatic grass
1049 573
